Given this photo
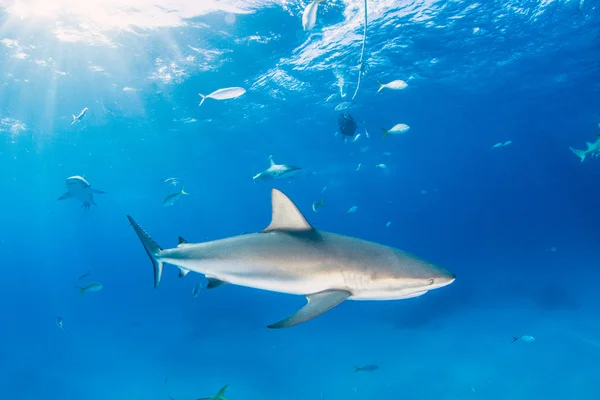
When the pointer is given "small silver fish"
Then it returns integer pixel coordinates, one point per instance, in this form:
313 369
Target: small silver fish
223 94
80 116
171 181
388 224
381 166
352 210
356 138
523 338
84 276
342 106
60 323
358 168
398 129
367 368
173 197
90 287
317 204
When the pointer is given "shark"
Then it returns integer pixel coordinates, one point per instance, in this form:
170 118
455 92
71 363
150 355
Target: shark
77 118
592 150
291 256
275 171
79 188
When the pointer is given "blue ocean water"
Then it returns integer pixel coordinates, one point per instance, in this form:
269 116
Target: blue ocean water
518 225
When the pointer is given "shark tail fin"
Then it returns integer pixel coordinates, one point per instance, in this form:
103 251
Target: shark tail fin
219 396
381 85
203 98
579 153
152 249
385 135
356 369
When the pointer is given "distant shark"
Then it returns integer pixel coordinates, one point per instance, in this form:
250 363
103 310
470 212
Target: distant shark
275 171
593 150
290 256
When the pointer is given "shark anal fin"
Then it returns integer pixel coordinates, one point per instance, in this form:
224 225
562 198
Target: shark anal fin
318 303
285 215
183 272
214 283
64 196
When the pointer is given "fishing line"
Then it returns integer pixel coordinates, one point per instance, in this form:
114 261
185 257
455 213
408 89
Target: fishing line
362 54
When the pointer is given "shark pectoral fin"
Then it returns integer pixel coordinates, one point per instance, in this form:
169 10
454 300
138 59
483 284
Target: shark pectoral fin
285 215
214 283
64 196
318 303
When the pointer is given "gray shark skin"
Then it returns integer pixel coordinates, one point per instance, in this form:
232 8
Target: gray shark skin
276 171
290 256
79 188
592 150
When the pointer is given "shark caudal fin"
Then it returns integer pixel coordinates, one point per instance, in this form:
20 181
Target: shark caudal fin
203 98
152 249
386 132
579 153
219 396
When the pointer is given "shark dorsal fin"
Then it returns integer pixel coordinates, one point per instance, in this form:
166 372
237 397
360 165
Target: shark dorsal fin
589 145
286 216
271 162
182 240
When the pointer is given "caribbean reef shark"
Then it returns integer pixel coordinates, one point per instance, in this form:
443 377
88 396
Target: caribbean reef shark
290 256
592 150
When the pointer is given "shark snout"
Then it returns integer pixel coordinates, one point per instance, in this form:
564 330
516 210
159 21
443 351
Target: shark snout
444 278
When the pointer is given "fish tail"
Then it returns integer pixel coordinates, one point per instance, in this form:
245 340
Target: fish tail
515 338
184 192
579 153
152 249
381 85
81 290
203 98
221 394
386 132
356 369
321 202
